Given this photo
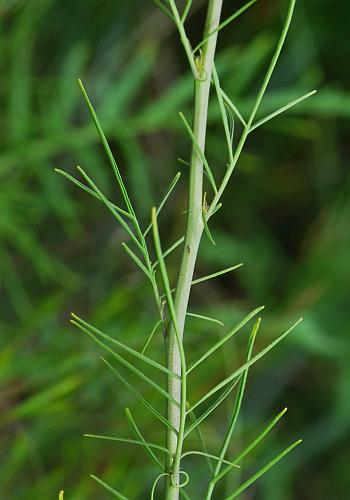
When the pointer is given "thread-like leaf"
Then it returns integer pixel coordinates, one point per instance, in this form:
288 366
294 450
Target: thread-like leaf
252 445
107 149
110 208
199 151
281 110
233 107
147 448
225 338
227 21
132 389
186 10
155 482
238 400
164 9
228 133
150 337
137 261
262 471
109 488
129 441
128 365
91 192
211 408
218 273
205 318
124 347
164 200
246 365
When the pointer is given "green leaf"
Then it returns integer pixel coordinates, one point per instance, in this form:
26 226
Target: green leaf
281 110
225 338
199 152
228 132
137 261
211 408
209 455
90 191
107 149
128 365
109 488
262 471
122 346
214 275
132 389
205 318
151 336
227 21
252 445
147 448
238 400
130 441
246 365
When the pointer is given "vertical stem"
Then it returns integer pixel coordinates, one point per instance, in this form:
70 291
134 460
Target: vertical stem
194 231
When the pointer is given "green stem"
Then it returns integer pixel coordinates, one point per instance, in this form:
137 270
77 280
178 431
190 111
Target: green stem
177 389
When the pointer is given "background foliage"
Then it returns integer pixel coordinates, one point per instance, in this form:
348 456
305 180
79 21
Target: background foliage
285 215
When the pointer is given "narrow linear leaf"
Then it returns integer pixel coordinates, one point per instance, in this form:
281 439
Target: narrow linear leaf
170 249
211 408
147 448
164 200
132 389
206 228
227 21
91 192
232 332
200 152
193 419
129 441
107 148
137 261
151 336
218 273
233 107
262 471
128 365
240 370
238 400
281 110
109 488
124 347
252 445
205 318
110 207
228 133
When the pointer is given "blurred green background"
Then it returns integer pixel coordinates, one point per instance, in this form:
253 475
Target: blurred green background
285 215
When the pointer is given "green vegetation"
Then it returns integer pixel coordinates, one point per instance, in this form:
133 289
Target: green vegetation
61 252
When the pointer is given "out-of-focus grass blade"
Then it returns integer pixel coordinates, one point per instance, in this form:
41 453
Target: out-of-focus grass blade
225 338
109 488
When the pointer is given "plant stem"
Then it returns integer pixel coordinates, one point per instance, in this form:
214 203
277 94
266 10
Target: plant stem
194 231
